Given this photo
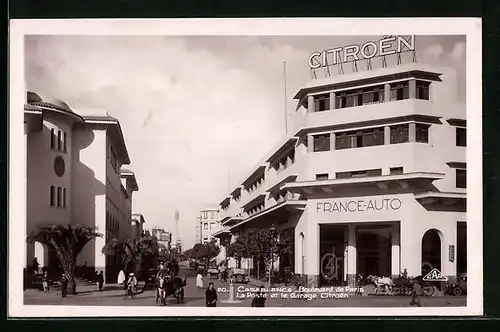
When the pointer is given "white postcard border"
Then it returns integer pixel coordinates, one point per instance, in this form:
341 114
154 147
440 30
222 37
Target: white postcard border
470 27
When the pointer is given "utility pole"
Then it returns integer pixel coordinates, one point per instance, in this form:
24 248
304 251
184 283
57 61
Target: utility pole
285 105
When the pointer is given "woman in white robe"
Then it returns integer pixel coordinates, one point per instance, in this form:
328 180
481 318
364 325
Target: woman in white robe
199 280
121 277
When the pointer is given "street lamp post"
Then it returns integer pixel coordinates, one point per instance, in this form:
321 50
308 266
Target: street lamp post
272 253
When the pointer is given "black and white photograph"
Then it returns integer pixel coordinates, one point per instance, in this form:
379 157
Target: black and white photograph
245 167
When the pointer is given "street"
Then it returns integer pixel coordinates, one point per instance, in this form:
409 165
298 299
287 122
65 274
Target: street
112 295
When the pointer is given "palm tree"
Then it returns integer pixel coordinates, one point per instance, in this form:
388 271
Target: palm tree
67 243
136 254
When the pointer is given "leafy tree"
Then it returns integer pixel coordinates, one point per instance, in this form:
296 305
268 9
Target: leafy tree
137 255
205 252
67 243
263 244
236 250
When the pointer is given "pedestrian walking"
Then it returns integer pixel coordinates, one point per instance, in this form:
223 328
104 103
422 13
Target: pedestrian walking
211 295
100 280
199 280
35 265
121 278
416 291
259 299
64 285
45 282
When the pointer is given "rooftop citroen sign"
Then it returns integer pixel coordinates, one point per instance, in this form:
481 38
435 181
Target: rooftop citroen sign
386 46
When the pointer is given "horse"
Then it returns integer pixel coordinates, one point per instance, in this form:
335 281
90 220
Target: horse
385 283
161 292
171 287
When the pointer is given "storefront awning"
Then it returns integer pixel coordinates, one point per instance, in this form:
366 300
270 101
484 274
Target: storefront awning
383 182
297 205
439 200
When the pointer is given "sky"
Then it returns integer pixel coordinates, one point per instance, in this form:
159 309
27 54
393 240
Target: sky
197 113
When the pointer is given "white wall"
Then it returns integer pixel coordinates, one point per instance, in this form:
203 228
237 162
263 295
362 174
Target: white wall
41 175
89 195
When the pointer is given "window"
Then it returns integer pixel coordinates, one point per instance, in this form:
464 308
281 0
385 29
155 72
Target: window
64 198
205 226
59 197
322 142
461 178
341 101
212 215
205 215
461 136
52 196
396 170
358 174
400 91
212 225
372 95
358 139
52 139
399 134
422 133
59 140
322 103
64 142
351 100
422 90
322 177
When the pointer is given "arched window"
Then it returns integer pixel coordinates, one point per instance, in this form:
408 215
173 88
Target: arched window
59 196
64 142
59 140
52 139
52 196
64 197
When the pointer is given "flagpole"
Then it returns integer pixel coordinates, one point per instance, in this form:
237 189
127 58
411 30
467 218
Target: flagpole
285 104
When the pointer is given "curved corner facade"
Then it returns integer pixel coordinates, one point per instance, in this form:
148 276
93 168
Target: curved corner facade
75 176
372 181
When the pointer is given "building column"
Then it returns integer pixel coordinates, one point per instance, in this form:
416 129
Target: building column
387 135
332 100
312 259
310 104
395 250
351 255
346 255
412 89
387 92
310 143
332 141
412 135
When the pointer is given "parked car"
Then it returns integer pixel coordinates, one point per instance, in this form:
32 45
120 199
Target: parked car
239 276
459 286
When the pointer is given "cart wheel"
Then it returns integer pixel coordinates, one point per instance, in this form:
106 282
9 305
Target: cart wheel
457 291
239 278
428 290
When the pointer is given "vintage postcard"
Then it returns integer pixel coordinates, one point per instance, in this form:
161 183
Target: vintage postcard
245 167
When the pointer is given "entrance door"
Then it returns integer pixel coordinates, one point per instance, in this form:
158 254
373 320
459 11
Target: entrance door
431 251
374 250
331 254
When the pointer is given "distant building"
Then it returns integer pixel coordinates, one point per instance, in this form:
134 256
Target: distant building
208 224
163 237
138 222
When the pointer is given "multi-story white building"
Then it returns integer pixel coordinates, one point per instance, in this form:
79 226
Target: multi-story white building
74 176
371 181
207 224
